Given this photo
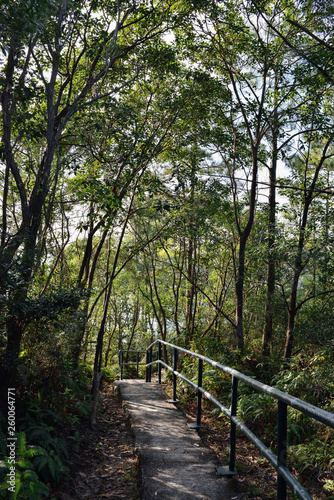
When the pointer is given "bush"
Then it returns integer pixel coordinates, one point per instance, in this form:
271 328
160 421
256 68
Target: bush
110 373
27 483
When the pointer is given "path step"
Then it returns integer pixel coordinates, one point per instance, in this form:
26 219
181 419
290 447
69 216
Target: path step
175 464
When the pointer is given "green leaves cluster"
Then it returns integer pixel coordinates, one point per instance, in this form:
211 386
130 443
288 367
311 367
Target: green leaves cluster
27 482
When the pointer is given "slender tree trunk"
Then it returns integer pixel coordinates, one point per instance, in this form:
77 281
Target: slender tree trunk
243 238
292 312
271 269
299 264
239 293
133 328
4 208
106 357
176 286
190 291
100 336
88 282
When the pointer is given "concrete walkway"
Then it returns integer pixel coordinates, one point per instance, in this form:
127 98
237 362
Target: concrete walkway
175 465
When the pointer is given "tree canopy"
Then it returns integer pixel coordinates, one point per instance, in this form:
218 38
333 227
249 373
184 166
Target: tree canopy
193 139
166 170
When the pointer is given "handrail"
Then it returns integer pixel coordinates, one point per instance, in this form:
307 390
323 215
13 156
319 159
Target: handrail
137 363
279 462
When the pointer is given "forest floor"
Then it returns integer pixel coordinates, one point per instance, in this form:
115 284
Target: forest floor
104 460
105 463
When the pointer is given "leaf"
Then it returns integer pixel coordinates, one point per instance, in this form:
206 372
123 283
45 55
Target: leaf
23 463
36 489
18 487
40 462
21 443
52 467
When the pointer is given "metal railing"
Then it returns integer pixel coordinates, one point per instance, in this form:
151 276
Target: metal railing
136 363
279 462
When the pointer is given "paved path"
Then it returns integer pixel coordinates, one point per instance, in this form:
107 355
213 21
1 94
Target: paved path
175 464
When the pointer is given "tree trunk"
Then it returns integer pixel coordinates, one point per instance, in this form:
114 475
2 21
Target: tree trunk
239 293
106 358
271 269
99 341
292 314
299 264
190 292
87 282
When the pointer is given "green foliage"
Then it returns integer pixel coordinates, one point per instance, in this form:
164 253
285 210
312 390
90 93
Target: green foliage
49 306
24 17
47 375
217 382
27 483
313 456
258 411
28 486
315 323
45 460
180 118
110 373
42 456
309 377
329 487
52 466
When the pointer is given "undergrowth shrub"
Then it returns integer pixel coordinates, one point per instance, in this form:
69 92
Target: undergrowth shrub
309 376
313 460
50 402
41 455
110 373
58 387
53 464
28 484
258 411
313 456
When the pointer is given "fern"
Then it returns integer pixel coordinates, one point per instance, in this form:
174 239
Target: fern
27 483
28 486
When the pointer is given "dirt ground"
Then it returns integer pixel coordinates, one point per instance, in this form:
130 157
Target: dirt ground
104 461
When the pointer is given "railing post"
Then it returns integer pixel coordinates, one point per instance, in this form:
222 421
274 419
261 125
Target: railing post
151 359
230 470
174 400
121 363
137 361
174 376
159 364
234 404
282 423
199 394
147 367
198 424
